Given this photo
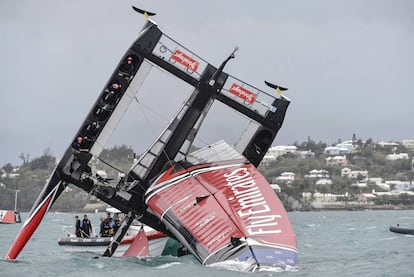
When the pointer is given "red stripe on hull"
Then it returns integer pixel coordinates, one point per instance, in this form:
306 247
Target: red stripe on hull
27 231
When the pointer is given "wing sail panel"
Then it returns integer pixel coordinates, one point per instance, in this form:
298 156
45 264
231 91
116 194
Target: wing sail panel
121 108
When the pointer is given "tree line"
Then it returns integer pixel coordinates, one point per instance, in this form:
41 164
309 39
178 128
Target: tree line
33 173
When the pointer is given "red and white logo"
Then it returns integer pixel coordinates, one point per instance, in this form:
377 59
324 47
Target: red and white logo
243 93
185 60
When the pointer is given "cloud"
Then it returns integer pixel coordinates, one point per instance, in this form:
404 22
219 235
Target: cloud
348 66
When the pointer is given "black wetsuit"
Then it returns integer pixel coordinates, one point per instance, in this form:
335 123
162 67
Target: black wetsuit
86 227
77 228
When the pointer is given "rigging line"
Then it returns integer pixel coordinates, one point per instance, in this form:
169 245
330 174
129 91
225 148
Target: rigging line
198 139
152 129
152 110
108 164
145 116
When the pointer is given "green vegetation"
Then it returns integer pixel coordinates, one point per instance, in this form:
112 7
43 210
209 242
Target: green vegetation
32 175
368 156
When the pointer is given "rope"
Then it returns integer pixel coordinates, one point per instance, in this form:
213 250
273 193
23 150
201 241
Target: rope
150 125
108 164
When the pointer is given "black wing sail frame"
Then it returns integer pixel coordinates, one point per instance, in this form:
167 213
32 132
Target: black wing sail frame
154 48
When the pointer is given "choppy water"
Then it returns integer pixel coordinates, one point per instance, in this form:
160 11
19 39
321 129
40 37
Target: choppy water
340 243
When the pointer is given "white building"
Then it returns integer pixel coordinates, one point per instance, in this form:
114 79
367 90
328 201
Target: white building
360 184
340 149
337 160
345 147
379 182
280 150
408 143
400 185
388 144
394 157
268 160
324 182
322 197
287 177
305 154
15 173
276 187
331 150
354 174
318 174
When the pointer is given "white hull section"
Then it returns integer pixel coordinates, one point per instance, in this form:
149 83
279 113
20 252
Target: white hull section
156 247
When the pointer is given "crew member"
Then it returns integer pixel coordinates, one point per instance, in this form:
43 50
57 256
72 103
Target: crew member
77 226
127 68
86 227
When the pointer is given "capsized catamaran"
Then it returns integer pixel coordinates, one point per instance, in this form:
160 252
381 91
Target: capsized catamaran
214 201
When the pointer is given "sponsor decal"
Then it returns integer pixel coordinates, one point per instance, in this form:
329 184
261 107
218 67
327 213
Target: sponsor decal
253 208
206 220
243 93
185 60
187 206
219 237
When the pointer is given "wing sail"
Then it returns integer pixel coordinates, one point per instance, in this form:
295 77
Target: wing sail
151 49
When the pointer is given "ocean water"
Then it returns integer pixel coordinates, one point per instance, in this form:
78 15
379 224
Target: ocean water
336 243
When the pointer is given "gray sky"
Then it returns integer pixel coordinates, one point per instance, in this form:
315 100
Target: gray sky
348 66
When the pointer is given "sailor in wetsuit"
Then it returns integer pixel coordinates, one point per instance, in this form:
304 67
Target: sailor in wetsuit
112 94
116 223
107 228
86 227
127 68
77 226
77 145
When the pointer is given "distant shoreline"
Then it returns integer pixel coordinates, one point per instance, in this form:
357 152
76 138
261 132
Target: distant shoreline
305 209
357 208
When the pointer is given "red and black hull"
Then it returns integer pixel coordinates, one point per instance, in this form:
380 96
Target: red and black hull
224 211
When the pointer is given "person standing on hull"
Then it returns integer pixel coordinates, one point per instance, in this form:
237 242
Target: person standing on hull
86 227
77 227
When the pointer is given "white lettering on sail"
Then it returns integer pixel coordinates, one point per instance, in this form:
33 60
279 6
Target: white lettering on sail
253 207
243 93
185 60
